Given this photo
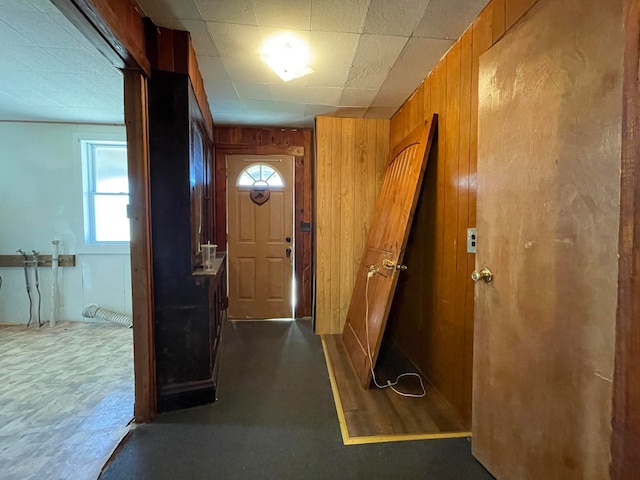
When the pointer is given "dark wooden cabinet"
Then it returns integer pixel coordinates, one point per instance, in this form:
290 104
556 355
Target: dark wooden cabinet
188 309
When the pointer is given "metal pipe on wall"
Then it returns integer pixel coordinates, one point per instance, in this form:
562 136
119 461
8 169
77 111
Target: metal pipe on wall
54 282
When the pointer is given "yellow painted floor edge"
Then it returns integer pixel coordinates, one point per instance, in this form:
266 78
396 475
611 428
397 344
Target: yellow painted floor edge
404 437
336 394
344 430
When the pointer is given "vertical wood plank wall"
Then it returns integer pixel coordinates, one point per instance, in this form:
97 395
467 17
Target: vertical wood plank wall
352 156
438 335
272 141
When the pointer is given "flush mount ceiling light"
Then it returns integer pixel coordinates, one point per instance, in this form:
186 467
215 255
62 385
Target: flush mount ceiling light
287 55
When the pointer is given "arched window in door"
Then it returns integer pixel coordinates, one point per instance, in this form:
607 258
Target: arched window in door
259 175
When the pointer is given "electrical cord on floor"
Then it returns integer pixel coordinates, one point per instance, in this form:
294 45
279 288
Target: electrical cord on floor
389 384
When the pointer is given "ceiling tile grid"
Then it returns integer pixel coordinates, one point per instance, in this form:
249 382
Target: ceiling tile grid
367 56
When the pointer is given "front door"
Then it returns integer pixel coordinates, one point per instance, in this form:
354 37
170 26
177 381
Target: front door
550 105
260 235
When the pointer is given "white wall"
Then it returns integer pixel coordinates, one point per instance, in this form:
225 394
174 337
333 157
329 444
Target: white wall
41 199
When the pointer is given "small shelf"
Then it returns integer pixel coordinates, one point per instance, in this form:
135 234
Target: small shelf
218 262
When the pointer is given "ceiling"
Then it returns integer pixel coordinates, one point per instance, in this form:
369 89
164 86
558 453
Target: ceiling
368 56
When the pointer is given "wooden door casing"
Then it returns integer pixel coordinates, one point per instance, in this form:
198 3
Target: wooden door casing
548 215
386 242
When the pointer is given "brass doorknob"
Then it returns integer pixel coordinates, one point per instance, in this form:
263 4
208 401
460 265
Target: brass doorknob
484 274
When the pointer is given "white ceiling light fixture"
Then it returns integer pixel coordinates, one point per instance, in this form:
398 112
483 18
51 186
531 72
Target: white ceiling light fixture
287 55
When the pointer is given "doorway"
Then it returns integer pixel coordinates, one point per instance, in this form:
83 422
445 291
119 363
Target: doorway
260 194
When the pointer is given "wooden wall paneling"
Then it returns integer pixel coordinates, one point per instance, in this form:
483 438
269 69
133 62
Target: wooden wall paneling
464 284
136 121
515 9
346 182
625 454
426 98
498 24
322 213
451 330
352 157
434 347
335 243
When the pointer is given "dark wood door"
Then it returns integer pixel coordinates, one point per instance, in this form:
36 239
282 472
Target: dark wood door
550 105
378 270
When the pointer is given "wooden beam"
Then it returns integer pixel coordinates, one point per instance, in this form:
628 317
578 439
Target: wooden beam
136 120
114 27
43 260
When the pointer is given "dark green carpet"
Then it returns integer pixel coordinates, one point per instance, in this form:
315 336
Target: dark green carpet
275 419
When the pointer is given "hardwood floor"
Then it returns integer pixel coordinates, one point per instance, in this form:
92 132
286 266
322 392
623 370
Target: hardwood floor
66 398
374 415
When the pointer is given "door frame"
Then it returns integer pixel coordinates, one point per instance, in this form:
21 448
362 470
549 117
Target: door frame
103 23
303 214
250 160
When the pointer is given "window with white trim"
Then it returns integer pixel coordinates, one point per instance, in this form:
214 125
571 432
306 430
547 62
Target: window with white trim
259 175
106 192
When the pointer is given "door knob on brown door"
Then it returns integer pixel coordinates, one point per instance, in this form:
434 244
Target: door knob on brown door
484 274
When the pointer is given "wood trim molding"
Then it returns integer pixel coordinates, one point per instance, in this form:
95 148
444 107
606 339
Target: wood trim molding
114 27
626 382
136 120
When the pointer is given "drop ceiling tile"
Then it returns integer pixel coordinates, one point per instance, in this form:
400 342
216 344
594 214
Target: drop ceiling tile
338 15
82 61
448 18
39 28
380 112
185 9
391 97
37 59
237 11
366 77
9 36
357 97
22 5
253 91
43 6
260 106
290 108
311 111
249 69
232 40
222 105
288 93
67 26
407 73
226 90
394 18
283 13
378 52
199 31
324 95
350 112
333 48
212 69
329 76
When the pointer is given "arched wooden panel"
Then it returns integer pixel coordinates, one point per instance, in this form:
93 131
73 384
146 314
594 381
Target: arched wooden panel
384 250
